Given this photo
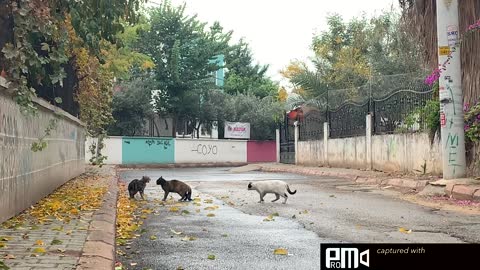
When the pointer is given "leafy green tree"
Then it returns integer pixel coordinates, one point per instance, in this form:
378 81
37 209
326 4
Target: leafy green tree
131 107
244 76
348 54
181 48
263 114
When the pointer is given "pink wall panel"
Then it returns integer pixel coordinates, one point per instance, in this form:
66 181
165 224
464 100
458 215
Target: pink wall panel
261 151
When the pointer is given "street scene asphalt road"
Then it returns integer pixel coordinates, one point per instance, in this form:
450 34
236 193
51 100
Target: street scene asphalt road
243 233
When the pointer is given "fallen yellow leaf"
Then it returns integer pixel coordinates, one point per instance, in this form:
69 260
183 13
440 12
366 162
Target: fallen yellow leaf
208 201
175 232
210 215
197 210
147 211
211 257
39 250
403 230
209 208
173 209
39 243
269 218
189 238
280 251
153 237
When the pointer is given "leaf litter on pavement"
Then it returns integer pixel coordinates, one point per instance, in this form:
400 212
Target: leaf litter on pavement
82 194
70 202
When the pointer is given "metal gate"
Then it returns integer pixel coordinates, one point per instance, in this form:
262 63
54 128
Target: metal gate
287 142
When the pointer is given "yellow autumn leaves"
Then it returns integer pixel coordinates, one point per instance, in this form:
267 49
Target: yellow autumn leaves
82 194
127 220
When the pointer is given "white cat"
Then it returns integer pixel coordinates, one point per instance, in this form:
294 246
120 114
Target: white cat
272 186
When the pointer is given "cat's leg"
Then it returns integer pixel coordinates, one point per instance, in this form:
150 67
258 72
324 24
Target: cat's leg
184 197
261 197
132 194
278 197
141 194
286 197
165 197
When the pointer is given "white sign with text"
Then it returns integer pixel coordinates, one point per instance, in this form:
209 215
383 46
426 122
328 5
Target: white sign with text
237 130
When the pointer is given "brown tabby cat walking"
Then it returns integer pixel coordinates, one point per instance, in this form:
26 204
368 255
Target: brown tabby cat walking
177 186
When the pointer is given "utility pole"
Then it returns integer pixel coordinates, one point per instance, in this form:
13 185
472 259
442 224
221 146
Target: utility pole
450 90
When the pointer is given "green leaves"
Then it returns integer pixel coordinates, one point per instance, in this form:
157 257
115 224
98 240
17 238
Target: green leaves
9 51
45 47
58 77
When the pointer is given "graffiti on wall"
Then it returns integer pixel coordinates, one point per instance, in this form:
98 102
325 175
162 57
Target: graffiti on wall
147 150
205 149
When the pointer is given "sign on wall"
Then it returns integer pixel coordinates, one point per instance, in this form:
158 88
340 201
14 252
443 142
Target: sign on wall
237 130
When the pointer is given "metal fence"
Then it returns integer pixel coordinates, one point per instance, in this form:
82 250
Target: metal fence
287 142
311 127
389 99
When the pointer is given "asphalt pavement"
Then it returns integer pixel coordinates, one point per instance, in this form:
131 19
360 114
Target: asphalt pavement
241 234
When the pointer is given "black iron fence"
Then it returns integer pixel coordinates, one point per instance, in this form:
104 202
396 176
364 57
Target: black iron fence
311 127
348 120
287 142
399 111
346 111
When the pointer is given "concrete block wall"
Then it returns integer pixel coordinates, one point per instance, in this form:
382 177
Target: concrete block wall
154 150
27 176
410 152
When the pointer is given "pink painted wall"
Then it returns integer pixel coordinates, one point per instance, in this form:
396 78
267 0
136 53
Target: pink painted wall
261 151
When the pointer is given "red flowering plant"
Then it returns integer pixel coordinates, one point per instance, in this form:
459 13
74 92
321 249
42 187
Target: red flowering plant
471 113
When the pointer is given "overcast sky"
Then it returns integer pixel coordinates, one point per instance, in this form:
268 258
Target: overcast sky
278 30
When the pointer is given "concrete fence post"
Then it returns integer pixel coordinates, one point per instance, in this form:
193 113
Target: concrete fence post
277 145
326 132
368 142
296 141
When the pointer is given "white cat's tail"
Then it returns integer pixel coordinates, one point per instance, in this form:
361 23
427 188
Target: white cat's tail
291 192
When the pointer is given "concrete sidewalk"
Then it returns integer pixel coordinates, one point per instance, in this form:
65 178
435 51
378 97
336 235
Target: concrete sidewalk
63 231
461 189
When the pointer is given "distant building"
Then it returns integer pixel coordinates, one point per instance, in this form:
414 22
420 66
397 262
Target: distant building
219 75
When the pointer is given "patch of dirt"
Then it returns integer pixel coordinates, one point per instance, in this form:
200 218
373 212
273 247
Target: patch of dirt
444 203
